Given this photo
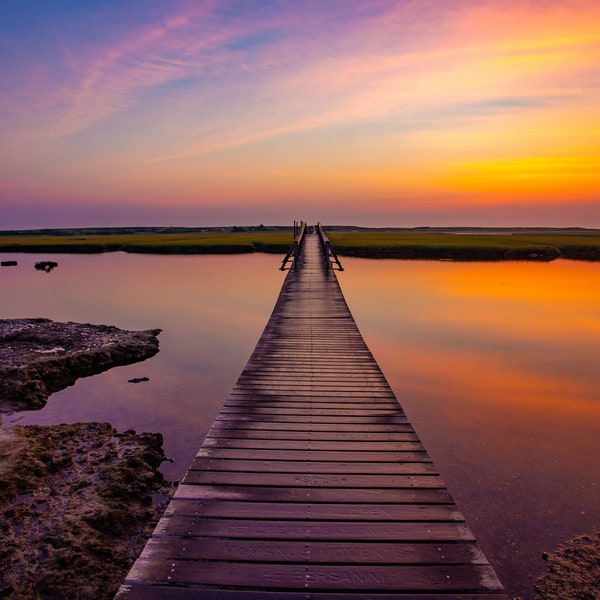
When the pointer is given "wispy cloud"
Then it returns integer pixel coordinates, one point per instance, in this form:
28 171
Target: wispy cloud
202 83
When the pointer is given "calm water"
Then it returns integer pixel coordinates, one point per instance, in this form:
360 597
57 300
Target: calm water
496 365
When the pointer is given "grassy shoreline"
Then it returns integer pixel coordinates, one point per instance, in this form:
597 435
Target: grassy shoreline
148 241
541 246
420 243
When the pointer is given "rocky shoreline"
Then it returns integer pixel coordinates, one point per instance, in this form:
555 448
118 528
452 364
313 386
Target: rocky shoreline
76 506
574 570
77 501
39 357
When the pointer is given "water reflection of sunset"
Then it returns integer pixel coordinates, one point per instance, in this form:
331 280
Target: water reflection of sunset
473 378
496 367
492 329
551 283
211 310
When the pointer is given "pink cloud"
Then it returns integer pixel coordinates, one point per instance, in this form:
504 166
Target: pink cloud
373 97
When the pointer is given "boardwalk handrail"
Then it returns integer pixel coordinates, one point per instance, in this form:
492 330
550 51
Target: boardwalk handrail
328 251
296 247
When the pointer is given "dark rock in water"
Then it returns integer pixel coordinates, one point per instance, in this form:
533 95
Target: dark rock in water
8 263
138 380
39 356
46 265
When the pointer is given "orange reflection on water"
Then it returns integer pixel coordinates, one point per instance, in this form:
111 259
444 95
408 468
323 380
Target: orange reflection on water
504 332
557 282
473 379
556 302
496 365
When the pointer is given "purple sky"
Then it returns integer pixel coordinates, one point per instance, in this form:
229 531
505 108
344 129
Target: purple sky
402 113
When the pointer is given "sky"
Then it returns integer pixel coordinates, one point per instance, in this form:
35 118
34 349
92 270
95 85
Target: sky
232 112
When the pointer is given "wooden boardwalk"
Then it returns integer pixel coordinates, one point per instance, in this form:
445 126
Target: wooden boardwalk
312 482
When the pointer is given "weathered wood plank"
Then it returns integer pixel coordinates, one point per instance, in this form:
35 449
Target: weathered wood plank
169 592
248 425
326 377
313 480
366 419
303 494
294 401
313 455
314 552
319 395
310 444
313 412
300 466
414 578
319 512
261 434
314 530
326 374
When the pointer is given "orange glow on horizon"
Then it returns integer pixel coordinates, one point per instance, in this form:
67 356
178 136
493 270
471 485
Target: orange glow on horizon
420 111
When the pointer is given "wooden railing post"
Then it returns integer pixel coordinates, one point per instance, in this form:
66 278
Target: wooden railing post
329 255
294 252
328 251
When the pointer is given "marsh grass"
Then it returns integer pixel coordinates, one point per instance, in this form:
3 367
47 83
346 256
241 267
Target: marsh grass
410 244
419 244
155 243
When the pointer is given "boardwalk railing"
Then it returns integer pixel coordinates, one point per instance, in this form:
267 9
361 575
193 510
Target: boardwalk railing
296 248
328 251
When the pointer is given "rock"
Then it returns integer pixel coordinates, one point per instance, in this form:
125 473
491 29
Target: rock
75 508
574 570
39 356
46 265
138 380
